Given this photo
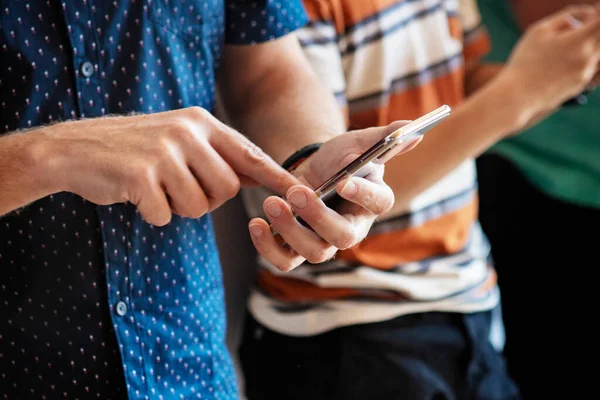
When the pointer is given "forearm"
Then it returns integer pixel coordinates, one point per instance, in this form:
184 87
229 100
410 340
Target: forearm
479 75
284 107
488 116
299 112
24 163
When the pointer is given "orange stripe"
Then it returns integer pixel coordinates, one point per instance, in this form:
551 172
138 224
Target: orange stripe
329 11
345 13
478 48
357 11
412 103
444 235
295 290
290 289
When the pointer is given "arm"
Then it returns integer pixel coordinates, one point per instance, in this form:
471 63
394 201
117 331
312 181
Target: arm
183 161
24 169
516 97
486 117
278 102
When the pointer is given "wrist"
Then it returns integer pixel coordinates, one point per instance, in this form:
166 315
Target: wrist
301 155
46 160
516 105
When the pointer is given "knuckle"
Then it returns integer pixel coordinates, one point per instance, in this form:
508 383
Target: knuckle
285 265
164 219
180 130
141 174
231 187
162 150
198 209
383 204
253 154
157 217
198 112
345 240
318 255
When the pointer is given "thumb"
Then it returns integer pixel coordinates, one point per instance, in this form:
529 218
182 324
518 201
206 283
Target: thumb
365 138
571 17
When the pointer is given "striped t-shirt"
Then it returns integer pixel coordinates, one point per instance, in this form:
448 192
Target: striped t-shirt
387 60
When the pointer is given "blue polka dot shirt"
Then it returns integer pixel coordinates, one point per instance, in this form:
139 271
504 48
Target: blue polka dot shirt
94 302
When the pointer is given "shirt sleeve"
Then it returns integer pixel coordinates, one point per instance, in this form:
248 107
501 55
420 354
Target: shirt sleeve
320 42
476 41
255 21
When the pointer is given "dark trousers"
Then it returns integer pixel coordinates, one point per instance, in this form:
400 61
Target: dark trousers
430 356
546 254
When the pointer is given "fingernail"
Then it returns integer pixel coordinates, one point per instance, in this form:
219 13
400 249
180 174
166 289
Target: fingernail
273 209
256 230
298 199
349 189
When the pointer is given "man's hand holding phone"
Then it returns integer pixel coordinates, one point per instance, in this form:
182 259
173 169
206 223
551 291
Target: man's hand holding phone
365 199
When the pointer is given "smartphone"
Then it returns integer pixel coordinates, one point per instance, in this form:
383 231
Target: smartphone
385 149
381 152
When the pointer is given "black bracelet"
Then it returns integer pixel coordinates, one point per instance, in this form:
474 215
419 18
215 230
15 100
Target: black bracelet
300 155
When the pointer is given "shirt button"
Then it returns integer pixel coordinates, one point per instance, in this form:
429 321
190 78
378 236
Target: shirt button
121 308
87 69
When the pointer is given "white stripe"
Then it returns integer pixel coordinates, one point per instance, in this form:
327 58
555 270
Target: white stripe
441 281
384 22
317 32
326 62
478 248
344 313
452 6
461 179
443 277
423 43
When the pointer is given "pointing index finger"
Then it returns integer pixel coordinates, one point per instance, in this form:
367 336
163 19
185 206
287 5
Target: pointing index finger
249 160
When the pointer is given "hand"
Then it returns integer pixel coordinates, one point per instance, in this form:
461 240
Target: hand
366 199
184 162
556 59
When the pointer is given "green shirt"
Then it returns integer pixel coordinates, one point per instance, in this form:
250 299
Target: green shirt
560 155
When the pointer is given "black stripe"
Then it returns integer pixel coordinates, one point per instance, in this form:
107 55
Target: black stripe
400 24
405 218
289 308
472 32
397 81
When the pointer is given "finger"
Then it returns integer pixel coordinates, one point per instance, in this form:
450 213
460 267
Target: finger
246 181
376 197
570 17
218 180
411 144
368 137
154 206
328 224
402 148
283 258
587 24
248 159
184 193
304 241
